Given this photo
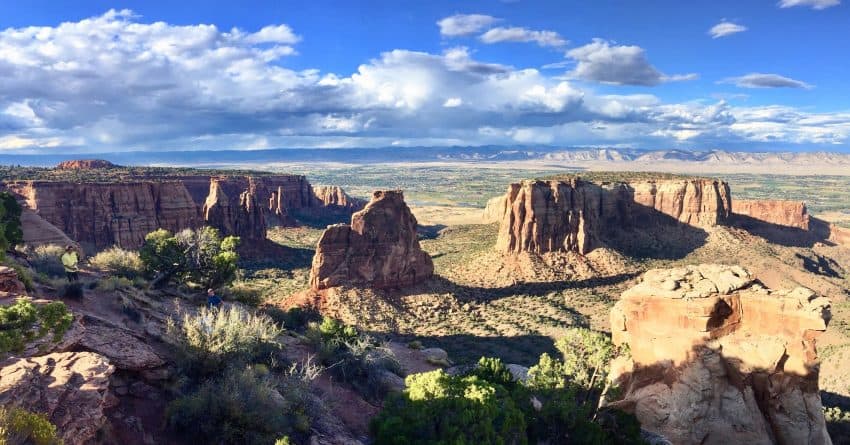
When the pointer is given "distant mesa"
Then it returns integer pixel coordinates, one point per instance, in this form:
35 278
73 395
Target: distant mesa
379 249
575 215
86 164
100 214
715 357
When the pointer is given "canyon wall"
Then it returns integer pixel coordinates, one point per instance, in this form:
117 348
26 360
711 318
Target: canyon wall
575 215
98 215
380 248
779 212
716 358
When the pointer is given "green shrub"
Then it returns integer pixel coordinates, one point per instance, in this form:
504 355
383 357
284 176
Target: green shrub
215 338
837 423
355 358
18 426
117 261
24 274
46 259
23 322
112 284
199 257
243 292
242 406
439 408
10 223
295 318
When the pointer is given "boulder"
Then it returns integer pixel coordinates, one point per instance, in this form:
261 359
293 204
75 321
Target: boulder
716 358
124 350
380 248
70 388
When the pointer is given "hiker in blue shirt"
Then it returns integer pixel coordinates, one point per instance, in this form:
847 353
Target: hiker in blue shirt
213 300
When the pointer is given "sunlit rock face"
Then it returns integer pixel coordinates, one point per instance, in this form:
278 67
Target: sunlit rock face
380 248
778 212
716 358
575 215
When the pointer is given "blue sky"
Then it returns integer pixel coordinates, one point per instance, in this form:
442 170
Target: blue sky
97 75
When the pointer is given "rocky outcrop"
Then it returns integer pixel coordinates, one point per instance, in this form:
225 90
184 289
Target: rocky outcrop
576 215
494 210
70 388
101 215
778 212
10 285
122 347
232 207
716 358
85 164
380 248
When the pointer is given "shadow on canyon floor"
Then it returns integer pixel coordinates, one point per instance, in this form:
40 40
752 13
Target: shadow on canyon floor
466 349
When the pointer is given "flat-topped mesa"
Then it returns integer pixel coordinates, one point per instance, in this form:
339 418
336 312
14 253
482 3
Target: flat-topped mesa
778 212
576 215
716 358
85 164
100 214
379 249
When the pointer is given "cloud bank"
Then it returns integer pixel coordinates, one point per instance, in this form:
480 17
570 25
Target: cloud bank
113 82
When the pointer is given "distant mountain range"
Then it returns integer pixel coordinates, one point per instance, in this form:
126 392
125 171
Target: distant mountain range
490 154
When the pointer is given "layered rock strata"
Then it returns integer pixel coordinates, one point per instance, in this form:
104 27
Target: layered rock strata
380 248
778 212
575 215
99 215
716 358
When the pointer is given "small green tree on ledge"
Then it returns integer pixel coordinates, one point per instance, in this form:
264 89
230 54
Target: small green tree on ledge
199 257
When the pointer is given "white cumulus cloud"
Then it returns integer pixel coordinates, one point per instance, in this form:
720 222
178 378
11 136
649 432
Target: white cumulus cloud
602 61
762 80
814 4
517 34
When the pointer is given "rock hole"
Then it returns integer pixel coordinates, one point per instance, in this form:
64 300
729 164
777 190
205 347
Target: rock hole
719 314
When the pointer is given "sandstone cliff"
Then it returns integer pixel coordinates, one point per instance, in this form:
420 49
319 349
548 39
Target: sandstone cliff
715 358
494 210
380 248
232 207
782 213
101 214
576 215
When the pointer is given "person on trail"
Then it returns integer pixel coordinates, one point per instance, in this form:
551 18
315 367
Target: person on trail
70 261
213 300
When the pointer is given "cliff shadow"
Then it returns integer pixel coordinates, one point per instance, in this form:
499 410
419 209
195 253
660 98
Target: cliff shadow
783 235
640 231
254 253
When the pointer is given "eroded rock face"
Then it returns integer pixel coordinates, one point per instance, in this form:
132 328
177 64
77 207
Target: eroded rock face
85 164
782 213
232 207
70 388
102 214
380 248
715 358
575 215
494 210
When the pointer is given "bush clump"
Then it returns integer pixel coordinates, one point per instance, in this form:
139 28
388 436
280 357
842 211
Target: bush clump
117 261
46 259
24 322
198 257
557 404
19 426
10 223
215 338
355 358
241 406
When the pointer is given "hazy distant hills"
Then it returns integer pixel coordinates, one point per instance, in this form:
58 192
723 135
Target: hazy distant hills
489 154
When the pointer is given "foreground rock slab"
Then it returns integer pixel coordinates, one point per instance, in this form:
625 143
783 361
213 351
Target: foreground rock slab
380 248
70 388
716 358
